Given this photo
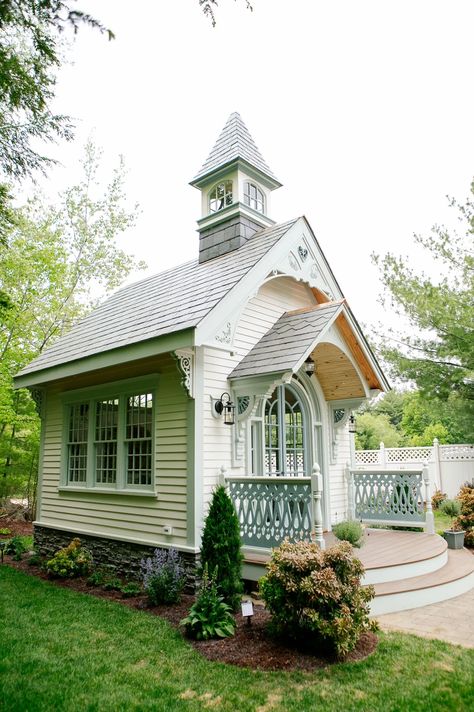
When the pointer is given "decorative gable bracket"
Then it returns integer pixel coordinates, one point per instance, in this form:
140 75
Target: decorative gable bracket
339 412
185 360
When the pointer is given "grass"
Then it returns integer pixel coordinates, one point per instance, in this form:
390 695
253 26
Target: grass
62 650
442 521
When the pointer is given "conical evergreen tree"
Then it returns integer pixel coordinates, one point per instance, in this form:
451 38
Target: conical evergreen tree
221 546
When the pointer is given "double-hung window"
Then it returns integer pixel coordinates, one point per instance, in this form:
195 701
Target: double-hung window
109 443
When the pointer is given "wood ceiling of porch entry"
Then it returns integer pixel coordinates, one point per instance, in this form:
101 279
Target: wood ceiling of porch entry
336 374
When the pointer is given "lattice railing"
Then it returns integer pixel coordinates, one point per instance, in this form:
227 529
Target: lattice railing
408 454
271 509
395 496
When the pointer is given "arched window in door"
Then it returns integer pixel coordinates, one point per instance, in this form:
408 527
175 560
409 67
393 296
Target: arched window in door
285 433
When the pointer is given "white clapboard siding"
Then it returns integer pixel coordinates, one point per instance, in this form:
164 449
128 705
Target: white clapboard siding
126 516
258 316
337 478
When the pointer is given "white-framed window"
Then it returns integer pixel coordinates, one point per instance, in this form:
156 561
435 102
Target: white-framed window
220 196
254 197
109 442
285 434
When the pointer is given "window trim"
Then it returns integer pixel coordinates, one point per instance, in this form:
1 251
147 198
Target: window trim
216 185
248 184
115 389
307 434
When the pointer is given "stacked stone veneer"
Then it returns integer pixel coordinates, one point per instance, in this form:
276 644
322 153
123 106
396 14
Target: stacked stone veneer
225 237
122 556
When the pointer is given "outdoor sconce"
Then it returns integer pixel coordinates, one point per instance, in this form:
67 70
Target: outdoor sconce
309 366
352 424
225 405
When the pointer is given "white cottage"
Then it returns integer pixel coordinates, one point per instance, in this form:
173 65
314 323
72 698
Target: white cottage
244 364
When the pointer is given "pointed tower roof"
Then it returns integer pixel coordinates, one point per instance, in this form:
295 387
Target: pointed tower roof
234 142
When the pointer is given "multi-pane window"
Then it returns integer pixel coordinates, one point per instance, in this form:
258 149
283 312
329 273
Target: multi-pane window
284 434
110 441
254 197
220 196
138 439
77 442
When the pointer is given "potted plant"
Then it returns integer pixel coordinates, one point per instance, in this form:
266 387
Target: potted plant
455 535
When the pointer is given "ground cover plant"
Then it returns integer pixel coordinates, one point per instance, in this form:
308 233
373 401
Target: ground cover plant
66 651
351 531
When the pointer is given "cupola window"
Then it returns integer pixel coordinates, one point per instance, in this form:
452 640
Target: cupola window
254 197
220 196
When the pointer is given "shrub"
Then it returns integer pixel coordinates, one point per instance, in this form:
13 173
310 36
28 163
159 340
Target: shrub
221 547
72 561
465 520
452 508
112 584
315 596
131 589
98 577
437 498
164 576
209 616
17 546
350 531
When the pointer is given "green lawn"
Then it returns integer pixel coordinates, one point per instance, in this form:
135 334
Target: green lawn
60 650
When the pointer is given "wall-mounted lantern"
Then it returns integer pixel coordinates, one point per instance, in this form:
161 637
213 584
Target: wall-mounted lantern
352 423
309 366
225 405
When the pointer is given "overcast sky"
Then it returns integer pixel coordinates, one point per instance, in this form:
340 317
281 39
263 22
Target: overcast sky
363 109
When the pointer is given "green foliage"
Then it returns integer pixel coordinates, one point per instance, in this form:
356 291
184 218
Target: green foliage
452 509
209 617
72 561
112 584
439 354
374 429
350 531
5 531
437 498
98 577
316 595
221 547
465 520
131 589
164 576
18 545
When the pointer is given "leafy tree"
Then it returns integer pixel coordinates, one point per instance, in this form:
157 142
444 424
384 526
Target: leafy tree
374 429
438 355
209 6
221 546
59 263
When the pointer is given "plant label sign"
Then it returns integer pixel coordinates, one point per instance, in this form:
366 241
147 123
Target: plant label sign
247 608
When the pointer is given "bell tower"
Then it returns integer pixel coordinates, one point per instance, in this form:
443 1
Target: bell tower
235 184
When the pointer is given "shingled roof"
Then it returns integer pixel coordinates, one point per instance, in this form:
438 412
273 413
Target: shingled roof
287 341
234 142
167 302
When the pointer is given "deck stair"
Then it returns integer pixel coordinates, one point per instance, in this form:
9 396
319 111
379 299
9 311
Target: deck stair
407 569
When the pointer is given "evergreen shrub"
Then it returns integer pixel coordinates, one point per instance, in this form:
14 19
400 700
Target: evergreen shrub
164 576
351 531
452 508
315 597
221 547
209 616
465 520
72 561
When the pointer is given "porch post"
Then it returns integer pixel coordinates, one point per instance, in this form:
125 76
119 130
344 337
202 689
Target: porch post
383 456
350 492
429 516
437 464
316 492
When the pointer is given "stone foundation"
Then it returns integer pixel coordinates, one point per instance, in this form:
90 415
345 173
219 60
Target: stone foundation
123 557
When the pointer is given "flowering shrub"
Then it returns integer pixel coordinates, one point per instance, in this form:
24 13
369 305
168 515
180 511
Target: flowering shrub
315 596
210 616
74 560
164 576
466 518
437 498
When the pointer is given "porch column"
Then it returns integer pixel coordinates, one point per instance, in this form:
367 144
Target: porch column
429 516
350 492
316 493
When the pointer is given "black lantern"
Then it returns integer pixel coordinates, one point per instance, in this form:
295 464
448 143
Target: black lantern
352 423
225 405
309 366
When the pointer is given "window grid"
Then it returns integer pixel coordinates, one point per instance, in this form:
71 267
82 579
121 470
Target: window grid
254 197
284 434
106 441
220 196
77 442
138 437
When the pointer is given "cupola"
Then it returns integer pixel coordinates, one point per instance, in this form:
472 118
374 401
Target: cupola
235 184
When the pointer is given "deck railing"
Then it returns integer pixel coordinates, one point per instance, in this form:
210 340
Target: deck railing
396 497
271 509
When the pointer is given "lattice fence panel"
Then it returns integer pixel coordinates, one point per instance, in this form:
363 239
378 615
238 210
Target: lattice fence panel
367 457
408 454
456 452
270 512
388 496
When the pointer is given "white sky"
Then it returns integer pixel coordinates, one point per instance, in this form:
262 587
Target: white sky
363 109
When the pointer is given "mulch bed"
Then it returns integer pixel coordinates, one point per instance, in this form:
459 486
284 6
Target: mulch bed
252 646
17 525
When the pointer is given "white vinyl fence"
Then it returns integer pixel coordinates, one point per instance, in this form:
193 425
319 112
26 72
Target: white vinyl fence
449 466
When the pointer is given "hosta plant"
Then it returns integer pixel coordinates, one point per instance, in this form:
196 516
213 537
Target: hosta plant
209 616
315 597
164 576
74 560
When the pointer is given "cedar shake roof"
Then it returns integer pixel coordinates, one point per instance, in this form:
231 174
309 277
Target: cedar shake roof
234 142
287 341
167 302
